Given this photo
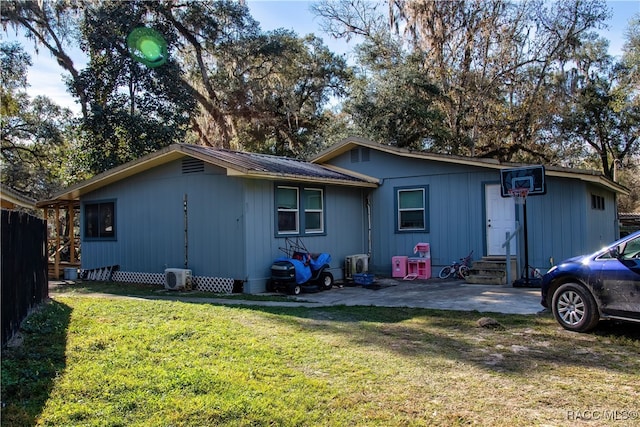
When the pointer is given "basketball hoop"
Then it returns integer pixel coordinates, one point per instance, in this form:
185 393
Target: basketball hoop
519 194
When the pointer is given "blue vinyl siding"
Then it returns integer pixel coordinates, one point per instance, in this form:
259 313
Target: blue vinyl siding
259 245
602 221
151 223
561 223
231 225
455 219
455 207
344 230
555 223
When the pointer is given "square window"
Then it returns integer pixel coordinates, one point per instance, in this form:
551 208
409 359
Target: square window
287 222
597 202
100 220
413 220
313 222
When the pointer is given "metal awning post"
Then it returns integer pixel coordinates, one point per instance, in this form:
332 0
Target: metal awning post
56 256
72 237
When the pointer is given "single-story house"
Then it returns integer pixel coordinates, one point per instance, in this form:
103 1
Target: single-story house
226 215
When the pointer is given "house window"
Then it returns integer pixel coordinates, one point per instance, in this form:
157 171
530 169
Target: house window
313 210
287 201
411 204
300 210
597 202
100 220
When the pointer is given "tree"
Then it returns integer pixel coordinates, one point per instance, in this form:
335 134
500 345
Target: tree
127 110
132 109
282 107
630 62
493 61
32 131
602 118
258 90
603 114
393 101
630 78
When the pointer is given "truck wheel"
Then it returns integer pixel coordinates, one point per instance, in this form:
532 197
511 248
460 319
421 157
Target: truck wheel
326 281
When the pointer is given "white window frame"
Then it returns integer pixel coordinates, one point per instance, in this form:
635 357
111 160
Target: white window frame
400 210
320 211
296 210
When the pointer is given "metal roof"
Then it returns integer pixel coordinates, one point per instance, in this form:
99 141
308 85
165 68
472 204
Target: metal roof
267 165
236 163
592 176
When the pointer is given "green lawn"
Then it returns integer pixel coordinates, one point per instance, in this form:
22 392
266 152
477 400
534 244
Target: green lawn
115 362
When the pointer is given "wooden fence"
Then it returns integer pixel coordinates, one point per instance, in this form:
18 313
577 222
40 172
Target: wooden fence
24 268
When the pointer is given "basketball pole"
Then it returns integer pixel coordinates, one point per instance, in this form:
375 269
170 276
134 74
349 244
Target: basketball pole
526 242
525 281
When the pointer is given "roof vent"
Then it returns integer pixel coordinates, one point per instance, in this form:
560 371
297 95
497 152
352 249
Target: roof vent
355 155
366 154
191 165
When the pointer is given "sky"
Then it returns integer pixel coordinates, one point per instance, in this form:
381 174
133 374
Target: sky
45 76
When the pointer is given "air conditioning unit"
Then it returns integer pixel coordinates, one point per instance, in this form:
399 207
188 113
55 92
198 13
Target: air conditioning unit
177 278
354 264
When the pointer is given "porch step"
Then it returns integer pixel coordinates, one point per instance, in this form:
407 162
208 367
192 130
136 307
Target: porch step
491 271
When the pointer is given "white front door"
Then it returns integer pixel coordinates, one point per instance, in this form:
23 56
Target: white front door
500 219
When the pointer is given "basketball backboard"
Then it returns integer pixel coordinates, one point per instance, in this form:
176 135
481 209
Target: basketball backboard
530 177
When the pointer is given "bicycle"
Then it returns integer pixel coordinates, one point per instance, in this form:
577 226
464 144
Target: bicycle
457 269
534 273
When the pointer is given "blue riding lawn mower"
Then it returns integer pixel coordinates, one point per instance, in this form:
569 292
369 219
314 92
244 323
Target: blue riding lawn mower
300 271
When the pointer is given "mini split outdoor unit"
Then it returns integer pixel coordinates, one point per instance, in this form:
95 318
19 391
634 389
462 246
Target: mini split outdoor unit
177 278
355 264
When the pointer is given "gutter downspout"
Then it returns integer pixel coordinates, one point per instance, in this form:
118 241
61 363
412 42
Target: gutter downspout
186 232
368 204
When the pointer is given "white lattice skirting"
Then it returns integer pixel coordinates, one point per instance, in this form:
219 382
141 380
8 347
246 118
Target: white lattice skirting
219 285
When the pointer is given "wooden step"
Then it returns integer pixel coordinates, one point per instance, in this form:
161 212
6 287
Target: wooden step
490 271
480 279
